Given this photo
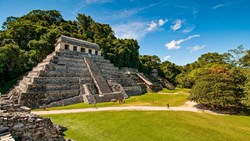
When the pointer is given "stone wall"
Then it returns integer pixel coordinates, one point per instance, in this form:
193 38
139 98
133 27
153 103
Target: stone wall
23 125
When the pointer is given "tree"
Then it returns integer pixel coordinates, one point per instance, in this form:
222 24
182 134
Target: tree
235 55
221 86
215 57
246 100
170 71
148 63
246 59
12 61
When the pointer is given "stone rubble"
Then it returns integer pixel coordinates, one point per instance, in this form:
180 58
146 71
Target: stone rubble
18 123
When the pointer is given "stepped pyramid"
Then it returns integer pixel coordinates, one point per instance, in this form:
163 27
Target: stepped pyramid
73 73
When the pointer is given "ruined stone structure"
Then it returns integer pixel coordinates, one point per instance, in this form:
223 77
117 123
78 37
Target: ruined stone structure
73 73
17 123
151 82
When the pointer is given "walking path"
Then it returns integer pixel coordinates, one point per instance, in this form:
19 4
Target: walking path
189 106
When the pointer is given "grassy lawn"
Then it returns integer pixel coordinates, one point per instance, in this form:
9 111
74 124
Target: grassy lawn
149 99
180 90
153 126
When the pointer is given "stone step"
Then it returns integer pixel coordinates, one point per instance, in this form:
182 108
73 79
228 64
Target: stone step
33 73
62 74
60 68
43 63
110 76
67 101
35 99
110 70
68 62
59 95
38 68
51 87
107 67
23 85
125 82
133 90
87 81
101 60
60 80
28 79
104 64
108 97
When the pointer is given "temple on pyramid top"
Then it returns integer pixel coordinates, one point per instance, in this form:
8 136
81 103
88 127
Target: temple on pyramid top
73 44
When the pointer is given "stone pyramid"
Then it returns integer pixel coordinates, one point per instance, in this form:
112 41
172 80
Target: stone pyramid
75 72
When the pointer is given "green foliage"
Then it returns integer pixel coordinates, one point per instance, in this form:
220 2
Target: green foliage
170 71
246 59
183 81
12 62
148 63
221 85
153 126
246 99
211 58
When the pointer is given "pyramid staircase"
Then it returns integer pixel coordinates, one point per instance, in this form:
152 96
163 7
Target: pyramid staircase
65 77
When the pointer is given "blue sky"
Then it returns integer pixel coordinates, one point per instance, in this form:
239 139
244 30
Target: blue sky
175 30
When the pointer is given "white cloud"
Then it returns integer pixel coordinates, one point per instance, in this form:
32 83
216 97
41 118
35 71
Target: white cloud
177 25
218 6
175 44
161 22
189 29
195 48
154 25
134 30
221 5
165 58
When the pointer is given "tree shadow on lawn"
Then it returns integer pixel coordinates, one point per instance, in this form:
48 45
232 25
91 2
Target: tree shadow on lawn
231 110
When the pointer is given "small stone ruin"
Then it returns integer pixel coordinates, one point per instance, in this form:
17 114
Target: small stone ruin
152 82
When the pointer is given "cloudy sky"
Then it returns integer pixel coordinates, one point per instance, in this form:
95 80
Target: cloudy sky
175 30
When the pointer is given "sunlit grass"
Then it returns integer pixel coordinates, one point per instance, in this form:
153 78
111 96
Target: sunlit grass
153 126
149 99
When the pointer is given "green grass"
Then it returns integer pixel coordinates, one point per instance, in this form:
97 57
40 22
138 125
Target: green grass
181 90
149 99
153 126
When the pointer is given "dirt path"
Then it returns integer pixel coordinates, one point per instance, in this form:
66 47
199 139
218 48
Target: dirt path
189 106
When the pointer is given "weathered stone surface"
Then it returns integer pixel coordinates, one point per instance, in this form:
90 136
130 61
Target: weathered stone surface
22 125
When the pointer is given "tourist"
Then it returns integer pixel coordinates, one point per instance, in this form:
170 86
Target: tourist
168 105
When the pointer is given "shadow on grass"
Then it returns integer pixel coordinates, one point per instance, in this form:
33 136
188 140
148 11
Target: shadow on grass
233 110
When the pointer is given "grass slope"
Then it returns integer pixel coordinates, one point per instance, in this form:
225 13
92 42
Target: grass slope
153 126
149 99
